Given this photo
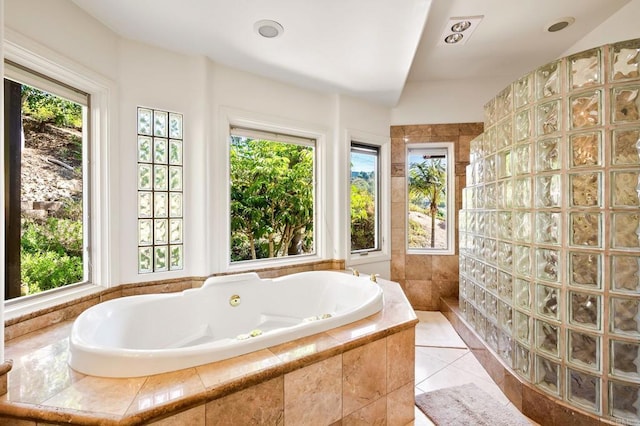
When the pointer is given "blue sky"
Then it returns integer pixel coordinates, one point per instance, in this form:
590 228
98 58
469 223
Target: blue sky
362 162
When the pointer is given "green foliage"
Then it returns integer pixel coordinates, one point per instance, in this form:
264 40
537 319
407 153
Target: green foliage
417 235
363 224
51 252
72 210
47 108
62 236
73 151
49 269
271 199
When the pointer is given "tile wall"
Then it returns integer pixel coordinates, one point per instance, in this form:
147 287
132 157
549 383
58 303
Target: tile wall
425 278
550 228
371 384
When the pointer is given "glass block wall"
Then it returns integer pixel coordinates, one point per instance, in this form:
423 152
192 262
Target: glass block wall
550 226
160 217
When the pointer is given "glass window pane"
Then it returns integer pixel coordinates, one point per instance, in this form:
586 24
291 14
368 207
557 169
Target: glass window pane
159 150
160 258
145 232
272 198
175 178
160 123
160 178
175 231
430 206
144 121
144 149
176 257
160 231
160 202
175 126
175 204
144 204
145 260
364 198
144 177
175 152
46 201
160 185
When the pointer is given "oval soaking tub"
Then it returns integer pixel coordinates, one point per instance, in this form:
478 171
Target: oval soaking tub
228 316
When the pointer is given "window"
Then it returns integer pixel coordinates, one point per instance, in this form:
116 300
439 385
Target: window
365 198
46 226
272 195
430 198
160 223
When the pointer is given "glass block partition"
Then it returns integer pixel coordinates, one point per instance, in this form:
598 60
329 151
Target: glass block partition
160 217
550 227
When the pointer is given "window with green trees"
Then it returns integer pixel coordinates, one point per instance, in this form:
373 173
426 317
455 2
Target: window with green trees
45 244
272 195
430 198
364 198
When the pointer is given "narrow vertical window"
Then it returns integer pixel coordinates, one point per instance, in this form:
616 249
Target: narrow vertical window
365 200
430 196
46 227
272 195
160 190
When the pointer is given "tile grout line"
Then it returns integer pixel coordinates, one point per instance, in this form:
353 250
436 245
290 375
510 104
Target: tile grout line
442 347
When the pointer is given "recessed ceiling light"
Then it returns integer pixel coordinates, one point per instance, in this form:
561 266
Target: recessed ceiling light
453 38
560 24
268 28
458 27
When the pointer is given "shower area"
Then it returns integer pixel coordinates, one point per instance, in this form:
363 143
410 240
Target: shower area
550 228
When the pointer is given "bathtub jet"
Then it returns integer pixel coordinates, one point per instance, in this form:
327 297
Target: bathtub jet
228 316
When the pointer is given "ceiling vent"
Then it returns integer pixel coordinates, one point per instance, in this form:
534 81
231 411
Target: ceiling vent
560 24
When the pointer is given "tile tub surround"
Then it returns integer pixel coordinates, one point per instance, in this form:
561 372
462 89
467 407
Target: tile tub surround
425 278
361 372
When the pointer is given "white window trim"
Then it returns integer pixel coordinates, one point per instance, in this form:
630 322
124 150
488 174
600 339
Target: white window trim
220 194
103 178
384 213
451 198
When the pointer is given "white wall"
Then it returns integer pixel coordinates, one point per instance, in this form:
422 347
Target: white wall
622 25
445 101
261 102
67 30
366 123
150 76
157 78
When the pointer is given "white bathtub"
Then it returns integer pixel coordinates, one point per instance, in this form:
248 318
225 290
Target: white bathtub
149 334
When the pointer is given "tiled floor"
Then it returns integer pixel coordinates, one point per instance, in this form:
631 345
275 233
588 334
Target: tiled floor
443 360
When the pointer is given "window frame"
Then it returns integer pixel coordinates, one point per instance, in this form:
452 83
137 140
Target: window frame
22 76
268 137
375 150
383 143
101 112
168 217
450 198
232 118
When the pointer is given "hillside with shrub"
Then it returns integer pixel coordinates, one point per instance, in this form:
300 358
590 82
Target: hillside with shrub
51 192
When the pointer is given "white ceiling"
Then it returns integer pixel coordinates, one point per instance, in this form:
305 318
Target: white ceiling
511 39
363 48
